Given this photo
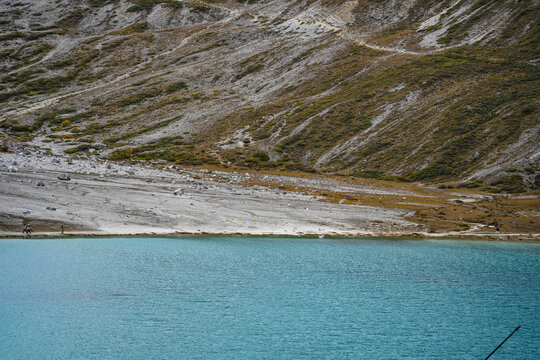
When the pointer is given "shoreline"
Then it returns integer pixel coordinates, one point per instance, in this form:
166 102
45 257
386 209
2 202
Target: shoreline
103 198
510 238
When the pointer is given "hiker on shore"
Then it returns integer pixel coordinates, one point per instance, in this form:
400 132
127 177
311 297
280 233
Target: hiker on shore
27 229
62 229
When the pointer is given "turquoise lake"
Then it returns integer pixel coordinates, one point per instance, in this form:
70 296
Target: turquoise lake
267 298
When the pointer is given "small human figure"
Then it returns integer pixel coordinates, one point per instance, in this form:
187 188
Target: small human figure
28 229
62 228
497 229
25 229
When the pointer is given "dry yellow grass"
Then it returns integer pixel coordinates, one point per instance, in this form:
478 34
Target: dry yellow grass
438 210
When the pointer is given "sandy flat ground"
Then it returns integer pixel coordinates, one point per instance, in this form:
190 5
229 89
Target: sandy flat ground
106 198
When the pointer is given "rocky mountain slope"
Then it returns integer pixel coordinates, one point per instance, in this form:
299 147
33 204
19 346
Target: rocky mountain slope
416 90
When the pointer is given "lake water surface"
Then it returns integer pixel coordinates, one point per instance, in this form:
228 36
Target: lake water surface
267 298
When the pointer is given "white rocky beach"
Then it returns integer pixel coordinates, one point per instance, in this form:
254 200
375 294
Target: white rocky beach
95 196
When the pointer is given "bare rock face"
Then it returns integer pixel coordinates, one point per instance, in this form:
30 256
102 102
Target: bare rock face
385 88
383 14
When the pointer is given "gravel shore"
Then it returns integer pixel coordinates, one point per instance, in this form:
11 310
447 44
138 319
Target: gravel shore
106 198
93 196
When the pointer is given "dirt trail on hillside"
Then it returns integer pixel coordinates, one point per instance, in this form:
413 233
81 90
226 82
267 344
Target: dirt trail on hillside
234 13
51 101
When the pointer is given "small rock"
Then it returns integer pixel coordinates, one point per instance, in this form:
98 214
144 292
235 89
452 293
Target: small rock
26 212
64 177
342 201
51 208
40 183
13 168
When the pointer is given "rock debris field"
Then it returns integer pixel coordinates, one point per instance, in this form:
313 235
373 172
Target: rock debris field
94 196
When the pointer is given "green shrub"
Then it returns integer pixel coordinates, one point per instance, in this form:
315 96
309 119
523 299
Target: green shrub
250 69
177 86
536 184
138 98
279 148
135 28
21 128
82 147
149 4
262 156
511 184
471 185
299 167
126 153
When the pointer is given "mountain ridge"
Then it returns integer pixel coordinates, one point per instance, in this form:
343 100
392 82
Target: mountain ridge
412 90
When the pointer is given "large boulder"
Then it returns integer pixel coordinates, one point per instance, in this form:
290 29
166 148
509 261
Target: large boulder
64 177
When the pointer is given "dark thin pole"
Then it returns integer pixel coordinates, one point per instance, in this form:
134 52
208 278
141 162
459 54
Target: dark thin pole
501 344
